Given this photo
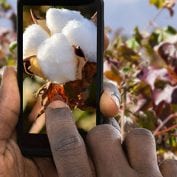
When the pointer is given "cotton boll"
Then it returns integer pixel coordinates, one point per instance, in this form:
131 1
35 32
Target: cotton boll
84 34
56 19
57 59
33 36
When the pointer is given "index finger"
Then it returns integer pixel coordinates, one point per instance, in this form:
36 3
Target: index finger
67 146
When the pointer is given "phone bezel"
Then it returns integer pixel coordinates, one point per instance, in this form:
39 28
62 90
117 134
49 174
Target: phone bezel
38 144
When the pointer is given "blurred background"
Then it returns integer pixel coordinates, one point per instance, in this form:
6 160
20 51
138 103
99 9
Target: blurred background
141 60
127 14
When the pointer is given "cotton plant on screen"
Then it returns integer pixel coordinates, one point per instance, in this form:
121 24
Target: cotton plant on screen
33 36
56 19
52 54
62 50
57 59
75 31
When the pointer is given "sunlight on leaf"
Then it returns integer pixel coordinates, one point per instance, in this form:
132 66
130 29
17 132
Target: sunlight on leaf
158 3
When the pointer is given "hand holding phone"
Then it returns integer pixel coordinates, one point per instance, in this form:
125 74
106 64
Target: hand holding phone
103 142
60 58
13 163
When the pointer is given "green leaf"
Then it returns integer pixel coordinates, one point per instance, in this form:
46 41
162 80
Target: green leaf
160 35
171 30
127 54
135 42
138 36
13 46
142 88
158 3
147 119
4 4
10 61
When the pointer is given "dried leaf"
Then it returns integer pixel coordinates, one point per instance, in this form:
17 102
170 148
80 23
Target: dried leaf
172 76
39 21
113 76
169 4
79 91
81 61
32 67
94 18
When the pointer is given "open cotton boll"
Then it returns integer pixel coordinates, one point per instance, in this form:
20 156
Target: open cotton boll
83 33
33 36
57 59
56 19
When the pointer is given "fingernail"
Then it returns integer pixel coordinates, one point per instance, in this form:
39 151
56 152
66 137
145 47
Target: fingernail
57 104
115 96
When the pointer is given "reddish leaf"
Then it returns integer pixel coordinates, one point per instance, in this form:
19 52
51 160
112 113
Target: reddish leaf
168 52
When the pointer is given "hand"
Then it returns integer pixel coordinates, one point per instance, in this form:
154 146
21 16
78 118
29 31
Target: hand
104 149
105 155
102 155
12 163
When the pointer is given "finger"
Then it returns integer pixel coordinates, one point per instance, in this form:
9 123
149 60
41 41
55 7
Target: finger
104 143
113 122
168 168
67 146
141 150
106 41
38 124
110 100
46 166
9 103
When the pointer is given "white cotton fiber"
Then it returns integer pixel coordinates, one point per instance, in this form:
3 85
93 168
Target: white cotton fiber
56 19
33 36
56 59
83 33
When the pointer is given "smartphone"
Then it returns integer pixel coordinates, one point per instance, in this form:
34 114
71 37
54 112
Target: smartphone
60 56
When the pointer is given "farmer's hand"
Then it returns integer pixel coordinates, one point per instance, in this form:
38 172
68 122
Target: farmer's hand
12 163
104 157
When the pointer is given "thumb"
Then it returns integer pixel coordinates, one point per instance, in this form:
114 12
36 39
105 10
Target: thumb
9 103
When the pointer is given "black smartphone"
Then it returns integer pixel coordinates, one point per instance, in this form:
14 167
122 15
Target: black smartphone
60 56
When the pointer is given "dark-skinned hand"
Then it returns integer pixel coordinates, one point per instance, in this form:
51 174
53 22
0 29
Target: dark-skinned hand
102 155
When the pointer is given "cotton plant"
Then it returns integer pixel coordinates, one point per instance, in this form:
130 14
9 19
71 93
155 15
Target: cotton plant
52 53
56 19
61 49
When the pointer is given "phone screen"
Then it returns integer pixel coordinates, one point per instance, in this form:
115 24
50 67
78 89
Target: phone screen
60 62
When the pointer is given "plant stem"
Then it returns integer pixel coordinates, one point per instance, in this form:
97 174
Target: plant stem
123 121
151 22
166 130
172 116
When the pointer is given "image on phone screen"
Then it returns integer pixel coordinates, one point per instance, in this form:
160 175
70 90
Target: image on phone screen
60 63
